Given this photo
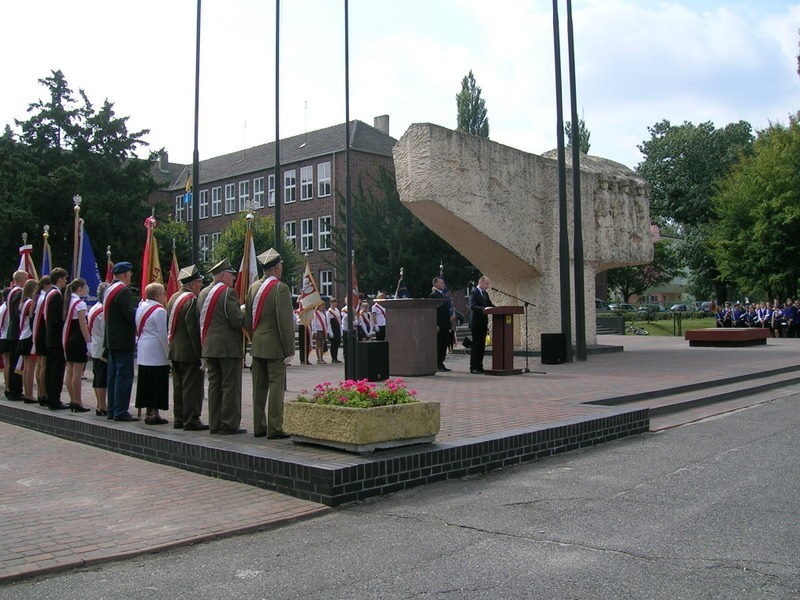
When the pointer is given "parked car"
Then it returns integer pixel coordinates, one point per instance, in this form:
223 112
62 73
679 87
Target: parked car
651 308
600 304
679 308
622 307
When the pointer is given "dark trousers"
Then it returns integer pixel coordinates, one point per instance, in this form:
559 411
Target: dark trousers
187 391
380 333
336 341
14 378
54 375
120 381
478 348
441 346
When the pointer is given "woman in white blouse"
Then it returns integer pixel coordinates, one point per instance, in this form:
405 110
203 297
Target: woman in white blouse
152 381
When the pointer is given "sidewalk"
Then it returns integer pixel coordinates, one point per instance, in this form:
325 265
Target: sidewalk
65 504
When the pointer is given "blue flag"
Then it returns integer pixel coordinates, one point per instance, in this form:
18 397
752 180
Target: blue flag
87 263
47 259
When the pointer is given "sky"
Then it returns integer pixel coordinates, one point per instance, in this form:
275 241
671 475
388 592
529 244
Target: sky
637 62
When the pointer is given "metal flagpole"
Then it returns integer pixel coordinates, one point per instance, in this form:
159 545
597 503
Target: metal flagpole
277 169
76 199
350 368
196 154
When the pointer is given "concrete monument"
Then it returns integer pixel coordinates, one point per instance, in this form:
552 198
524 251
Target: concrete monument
498 206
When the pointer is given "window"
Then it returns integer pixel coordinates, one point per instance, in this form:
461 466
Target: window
215 239
271 190
306 235
306 183
203 204
323 179
216 201
291 232
325 233
289 186
258 192
326 282
244 195
179 208
230 198
202 245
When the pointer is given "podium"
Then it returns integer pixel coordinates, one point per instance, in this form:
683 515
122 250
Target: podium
411 334
503 339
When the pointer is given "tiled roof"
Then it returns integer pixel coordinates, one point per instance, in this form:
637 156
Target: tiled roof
363 138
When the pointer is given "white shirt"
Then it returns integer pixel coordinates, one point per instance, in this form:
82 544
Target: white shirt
152 344
319 322
97 331
378 315
332 314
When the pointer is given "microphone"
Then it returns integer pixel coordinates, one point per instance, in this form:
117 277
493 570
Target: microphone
496 290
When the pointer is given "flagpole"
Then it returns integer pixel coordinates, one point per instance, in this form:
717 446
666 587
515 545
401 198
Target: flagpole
196 153
397 289
277 170
46 250
76 199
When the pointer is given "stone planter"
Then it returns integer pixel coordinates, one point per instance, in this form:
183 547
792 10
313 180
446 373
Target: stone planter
362 429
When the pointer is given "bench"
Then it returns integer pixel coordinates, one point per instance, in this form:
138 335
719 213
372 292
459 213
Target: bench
735 337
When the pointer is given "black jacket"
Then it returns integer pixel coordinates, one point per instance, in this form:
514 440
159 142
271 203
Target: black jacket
442 311
477 302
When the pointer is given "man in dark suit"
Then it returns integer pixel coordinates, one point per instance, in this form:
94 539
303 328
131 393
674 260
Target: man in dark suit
479 323
119 312
12 334
54 324
442 323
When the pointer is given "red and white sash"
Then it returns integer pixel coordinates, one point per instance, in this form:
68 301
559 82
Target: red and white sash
94 312
38 313
177 306
72 313
141 321
261 296
24 321
50 295
207 310
111 293
323 322
3 319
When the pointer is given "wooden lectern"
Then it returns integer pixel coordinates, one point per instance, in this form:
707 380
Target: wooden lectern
503 339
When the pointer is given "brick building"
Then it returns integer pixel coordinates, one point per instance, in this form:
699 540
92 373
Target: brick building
313 179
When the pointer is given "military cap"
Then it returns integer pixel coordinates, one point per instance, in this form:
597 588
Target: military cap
270 258
189 274
122 267
222 266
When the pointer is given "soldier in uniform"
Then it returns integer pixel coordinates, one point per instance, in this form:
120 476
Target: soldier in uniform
221 324
183 335
268 317
119 312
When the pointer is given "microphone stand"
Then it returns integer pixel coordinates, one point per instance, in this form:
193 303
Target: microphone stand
525 305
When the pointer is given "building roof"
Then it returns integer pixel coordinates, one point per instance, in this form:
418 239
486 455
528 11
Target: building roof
363 138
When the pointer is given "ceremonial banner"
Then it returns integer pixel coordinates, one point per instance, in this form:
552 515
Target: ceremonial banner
47 255
309 297
151 264
172 283
248 270
87 265
26 262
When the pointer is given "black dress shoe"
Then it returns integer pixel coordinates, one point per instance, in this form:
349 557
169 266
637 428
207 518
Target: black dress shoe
229 431
78 408
177 424
126 417
15 397
42 401
476 371
195 426
59 406
155 421
27 400
278 436
260 435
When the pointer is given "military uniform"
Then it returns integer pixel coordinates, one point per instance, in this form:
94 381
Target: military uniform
221 324
183 334
268 318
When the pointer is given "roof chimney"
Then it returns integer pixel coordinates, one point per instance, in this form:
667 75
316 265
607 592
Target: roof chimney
381 123
163 161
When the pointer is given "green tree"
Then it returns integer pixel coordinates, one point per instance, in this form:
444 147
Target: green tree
757 239
231 246
635 280
471 117
682 165
66 147
583 136
386 237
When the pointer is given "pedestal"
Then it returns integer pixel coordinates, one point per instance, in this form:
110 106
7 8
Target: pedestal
503 340
411 334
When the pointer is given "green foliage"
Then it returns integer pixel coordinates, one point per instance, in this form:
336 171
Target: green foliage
635 280
471 116
757 240
682 165
64 148
386 237
360 394
231 246
583 136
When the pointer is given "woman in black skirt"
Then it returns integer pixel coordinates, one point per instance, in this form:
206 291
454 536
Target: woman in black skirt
75 339
25 343
39 342
152 380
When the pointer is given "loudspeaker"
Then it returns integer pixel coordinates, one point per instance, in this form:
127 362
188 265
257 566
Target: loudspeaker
372 361
554 348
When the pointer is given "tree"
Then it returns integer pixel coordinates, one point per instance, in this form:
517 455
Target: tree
64 148
231 246
635 280
757 239
471 108
682 165
583 136
387 237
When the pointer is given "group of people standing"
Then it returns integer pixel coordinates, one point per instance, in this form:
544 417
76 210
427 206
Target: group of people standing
45 326
782 319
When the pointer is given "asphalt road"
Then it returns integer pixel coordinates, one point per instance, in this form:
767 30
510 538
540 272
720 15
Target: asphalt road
709 510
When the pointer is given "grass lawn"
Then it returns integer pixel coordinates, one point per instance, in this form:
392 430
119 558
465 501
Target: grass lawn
667 327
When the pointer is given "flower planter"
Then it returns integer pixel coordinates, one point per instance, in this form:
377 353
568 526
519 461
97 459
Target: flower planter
362 429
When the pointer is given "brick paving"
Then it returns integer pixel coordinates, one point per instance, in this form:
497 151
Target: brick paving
66 504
